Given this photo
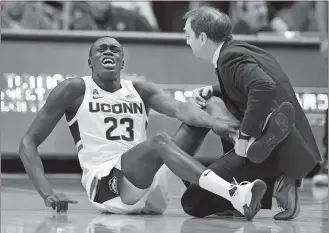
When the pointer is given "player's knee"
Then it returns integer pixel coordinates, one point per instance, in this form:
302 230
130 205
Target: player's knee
215 102
216 107
160 138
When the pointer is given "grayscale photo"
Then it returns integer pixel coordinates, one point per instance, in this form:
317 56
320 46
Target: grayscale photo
164 116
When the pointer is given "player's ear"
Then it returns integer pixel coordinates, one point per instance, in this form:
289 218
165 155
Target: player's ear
123 64
90 64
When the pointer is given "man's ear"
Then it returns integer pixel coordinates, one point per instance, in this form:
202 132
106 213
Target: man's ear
203 38
123 64
89 63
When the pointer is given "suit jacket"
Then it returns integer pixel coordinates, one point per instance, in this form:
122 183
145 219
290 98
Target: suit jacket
252 84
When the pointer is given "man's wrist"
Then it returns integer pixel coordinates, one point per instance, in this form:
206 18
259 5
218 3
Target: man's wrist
46 192
45 196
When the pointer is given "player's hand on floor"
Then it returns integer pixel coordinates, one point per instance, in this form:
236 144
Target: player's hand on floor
59 202
225 127
200 95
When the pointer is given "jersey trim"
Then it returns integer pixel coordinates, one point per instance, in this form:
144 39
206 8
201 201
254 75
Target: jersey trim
74 128
79 145
84 78
132 88
71 122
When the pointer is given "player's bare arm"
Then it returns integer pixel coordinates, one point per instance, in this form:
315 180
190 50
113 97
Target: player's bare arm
62 99
155 98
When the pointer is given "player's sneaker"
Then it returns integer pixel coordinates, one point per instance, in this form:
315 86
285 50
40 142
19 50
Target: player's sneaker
277 128
246 197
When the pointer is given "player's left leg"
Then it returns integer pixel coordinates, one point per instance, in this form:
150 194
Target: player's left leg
141 163
189 138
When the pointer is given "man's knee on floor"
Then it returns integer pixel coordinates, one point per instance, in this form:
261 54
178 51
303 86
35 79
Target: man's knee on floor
190 205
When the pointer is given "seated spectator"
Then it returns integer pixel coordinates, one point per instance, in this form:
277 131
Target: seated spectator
104 16
293 16
170 14
250 17
223 6
143 8
29 15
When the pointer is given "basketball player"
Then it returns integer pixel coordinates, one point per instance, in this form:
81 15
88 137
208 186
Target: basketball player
123 171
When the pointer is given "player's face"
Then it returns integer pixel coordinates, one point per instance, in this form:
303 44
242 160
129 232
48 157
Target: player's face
191 39
107 57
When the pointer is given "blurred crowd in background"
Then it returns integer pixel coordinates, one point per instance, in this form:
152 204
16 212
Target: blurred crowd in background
248 17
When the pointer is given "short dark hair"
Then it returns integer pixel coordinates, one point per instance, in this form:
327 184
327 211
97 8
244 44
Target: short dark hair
216 24
92 46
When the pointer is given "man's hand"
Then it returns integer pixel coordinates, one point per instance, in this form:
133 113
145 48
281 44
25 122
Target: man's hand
240 147
200 95
59 201
224 127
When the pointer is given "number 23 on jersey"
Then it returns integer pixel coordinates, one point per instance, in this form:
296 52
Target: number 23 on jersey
127 123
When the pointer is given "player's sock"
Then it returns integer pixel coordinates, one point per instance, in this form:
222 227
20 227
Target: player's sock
215 184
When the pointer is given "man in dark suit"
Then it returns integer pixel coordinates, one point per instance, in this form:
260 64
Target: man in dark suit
251 84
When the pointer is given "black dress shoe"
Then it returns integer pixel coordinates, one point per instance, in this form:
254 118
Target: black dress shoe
278 127
288 201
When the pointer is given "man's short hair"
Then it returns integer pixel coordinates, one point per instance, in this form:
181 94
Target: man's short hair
92 46
214 23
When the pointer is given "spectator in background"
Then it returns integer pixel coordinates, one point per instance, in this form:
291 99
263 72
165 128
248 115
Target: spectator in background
169 15
88 16
29 15
321 10
144 8
293 16
104 16
251 17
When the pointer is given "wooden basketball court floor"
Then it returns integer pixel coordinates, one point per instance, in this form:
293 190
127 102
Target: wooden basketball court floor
23 211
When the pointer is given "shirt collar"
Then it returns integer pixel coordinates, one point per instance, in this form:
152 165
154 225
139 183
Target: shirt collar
216 54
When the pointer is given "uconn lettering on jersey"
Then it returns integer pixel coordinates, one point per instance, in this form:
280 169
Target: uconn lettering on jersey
133 108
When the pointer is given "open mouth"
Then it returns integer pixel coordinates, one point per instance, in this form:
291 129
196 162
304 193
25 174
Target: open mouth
108 61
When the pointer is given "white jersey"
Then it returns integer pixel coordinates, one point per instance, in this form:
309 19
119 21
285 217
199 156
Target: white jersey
107 124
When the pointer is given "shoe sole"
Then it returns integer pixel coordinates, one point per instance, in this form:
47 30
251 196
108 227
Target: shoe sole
258 190
279 126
